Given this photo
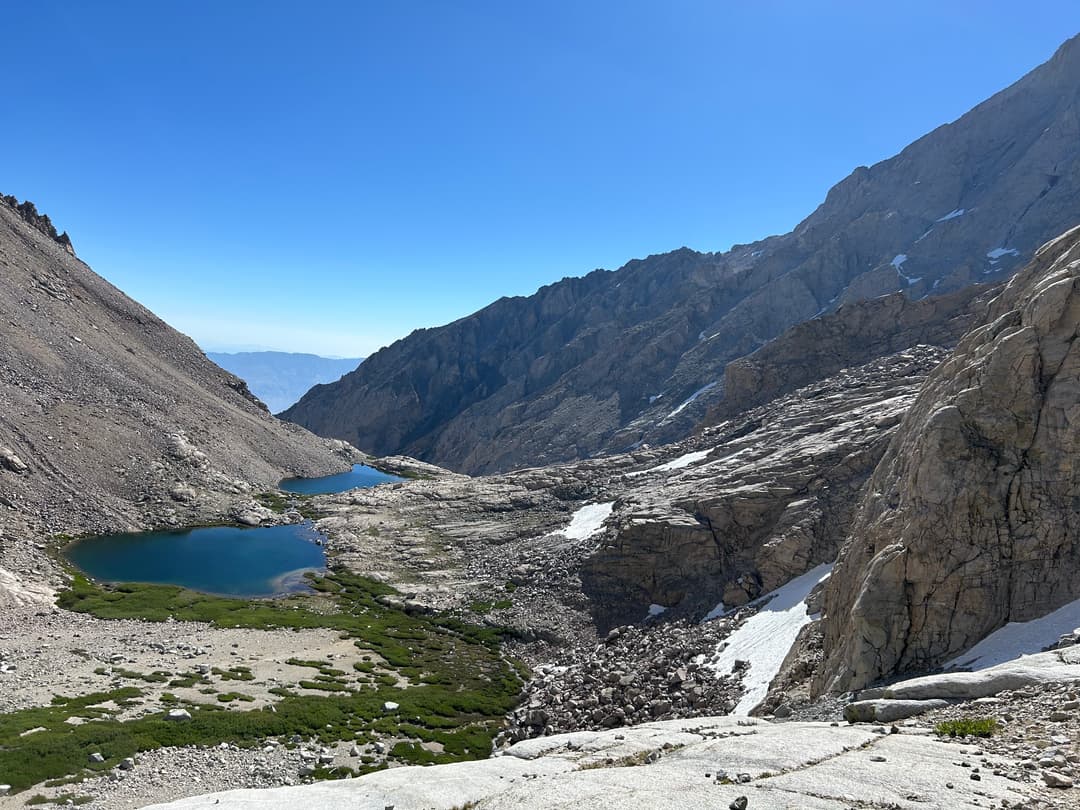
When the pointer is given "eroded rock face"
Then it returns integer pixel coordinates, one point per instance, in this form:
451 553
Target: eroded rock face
854 334
759 499
971 520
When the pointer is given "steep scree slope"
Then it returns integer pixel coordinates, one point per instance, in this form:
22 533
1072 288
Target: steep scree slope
970 520
602 362
109 418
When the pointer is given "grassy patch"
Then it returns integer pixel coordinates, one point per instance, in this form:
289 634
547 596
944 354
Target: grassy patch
299 662
281 502
185 681
967 727
61 800
234 673
274 501
460 685
229 697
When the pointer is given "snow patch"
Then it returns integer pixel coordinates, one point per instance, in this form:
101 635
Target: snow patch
766 637
1017 639
655 397
715 613
587 520
690 399
997 253
956 212
682 461
656 610
898 260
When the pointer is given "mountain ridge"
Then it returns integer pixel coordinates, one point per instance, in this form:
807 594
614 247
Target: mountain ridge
603 362
279 379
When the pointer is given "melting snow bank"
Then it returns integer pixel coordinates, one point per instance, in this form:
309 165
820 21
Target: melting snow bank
681 461
688 401
1020 638
811 766
766 637
956 212
587 521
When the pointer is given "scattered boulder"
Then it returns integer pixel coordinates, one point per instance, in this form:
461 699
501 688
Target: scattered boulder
11 462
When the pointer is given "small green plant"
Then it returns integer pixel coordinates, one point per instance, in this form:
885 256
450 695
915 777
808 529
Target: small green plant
185 681
234 673
63 799
967 727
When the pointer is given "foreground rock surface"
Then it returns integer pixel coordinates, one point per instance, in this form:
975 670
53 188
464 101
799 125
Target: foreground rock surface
708 762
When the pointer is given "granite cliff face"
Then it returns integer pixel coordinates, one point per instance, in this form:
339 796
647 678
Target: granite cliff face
600 363
970 519
111 419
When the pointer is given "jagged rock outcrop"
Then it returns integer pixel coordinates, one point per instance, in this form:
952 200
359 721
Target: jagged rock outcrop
854 334
111 419
603 362
29 213
970 520
763 498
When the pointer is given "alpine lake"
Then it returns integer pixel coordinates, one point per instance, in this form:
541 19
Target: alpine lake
414 687
232 561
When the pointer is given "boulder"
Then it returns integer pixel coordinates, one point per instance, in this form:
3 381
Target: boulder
887 711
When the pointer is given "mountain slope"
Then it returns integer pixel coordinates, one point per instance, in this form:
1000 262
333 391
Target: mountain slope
111 419
280 378
970 519
605 361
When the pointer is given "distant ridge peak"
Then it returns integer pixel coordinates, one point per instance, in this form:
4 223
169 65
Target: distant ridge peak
29 213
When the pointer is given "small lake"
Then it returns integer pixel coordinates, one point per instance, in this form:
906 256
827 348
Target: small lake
360 475
222 560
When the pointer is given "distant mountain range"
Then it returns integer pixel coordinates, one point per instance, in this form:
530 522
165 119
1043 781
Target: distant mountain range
612 360
280 378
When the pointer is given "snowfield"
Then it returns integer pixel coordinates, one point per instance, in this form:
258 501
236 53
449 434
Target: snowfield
587 521
1017 639
766 637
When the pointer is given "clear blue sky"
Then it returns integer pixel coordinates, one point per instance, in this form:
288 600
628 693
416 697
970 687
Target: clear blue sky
328 176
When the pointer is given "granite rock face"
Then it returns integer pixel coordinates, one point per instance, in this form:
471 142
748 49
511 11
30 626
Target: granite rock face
855 334
603 362
970 520
756 501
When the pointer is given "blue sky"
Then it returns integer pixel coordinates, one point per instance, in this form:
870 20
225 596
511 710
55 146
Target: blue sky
329 176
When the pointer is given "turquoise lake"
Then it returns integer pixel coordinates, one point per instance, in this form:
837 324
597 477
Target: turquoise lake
359 476
223 560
